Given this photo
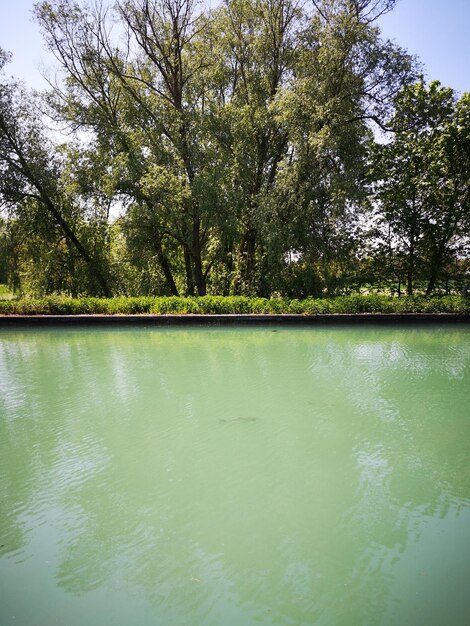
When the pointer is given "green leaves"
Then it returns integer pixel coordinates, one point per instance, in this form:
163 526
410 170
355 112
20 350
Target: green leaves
234 142
423 177
239 305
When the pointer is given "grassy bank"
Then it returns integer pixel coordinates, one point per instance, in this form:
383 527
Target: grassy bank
60 305
5 293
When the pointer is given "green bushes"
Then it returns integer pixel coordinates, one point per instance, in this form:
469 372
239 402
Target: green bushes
59 305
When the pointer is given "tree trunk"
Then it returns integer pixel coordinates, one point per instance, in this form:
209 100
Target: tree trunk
432 282
196 254
436 264
199 277
410 270
409 284
263 290
229 269
165 265
247 263
189 272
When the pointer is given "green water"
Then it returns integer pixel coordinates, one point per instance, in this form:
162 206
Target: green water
235 476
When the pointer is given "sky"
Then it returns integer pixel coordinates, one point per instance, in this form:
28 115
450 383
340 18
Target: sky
437 31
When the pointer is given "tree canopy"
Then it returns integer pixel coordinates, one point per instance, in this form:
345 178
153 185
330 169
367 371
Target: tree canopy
233 150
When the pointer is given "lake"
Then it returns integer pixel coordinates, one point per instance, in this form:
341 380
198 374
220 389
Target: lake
234 476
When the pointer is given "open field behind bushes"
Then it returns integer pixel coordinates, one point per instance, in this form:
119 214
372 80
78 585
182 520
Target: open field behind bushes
60 305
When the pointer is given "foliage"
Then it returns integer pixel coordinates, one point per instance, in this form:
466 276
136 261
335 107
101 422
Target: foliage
422 188
59 305
45 223
237 146
231 136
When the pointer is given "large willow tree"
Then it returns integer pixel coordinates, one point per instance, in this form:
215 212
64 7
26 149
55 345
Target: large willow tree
233 139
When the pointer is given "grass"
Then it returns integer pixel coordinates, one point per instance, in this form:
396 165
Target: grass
5 293
372 303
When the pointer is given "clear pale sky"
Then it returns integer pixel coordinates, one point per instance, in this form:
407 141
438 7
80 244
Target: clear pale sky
437 31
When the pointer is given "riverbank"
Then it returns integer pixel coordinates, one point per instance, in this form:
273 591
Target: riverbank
231 319
237 305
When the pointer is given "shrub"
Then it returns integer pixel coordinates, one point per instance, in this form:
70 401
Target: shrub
372 303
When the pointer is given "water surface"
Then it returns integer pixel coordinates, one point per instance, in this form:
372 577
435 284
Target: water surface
235 476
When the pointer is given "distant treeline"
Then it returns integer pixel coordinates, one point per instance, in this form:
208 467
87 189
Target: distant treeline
262 148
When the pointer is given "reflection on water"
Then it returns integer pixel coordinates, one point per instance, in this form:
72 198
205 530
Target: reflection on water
235 476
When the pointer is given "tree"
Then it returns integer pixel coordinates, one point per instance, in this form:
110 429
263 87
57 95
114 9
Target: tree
345 78
142 107
422 181
32 181
255 115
